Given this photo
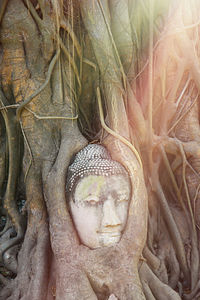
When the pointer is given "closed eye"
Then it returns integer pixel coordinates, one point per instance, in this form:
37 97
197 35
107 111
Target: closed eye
92 202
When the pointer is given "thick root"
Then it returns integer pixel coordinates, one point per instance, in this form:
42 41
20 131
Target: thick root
158 289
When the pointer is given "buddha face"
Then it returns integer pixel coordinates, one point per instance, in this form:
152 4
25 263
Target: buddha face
99 207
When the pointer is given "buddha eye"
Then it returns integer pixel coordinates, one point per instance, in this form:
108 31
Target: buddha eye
92 201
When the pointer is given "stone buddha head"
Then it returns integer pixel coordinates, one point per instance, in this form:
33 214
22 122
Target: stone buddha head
98 193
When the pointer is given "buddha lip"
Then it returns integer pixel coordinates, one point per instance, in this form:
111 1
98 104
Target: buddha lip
115 233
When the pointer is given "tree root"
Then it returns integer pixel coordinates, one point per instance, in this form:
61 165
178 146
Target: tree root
174 269
113 133
153 287
6 293
46 26
123 38
63 236
66 26
7 226
33 272
10 259
8 250
194 239
41 88
3 5
156 264
173 230
194 293
2 158
12 130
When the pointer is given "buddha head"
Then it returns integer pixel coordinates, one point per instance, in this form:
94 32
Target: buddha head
98 196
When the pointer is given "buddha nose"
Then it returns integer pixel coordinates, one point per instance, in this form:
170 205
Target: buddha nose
110 217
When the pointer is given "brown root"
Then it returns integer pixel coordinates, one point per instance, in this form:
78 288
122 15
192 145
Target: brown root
158 289
174 232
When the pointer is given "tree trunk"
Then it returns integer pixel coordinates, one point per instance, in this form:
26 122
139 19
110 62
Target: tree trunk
105 72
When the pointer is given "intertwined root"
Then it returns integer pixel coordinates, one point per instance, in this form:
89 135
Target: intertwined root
150 98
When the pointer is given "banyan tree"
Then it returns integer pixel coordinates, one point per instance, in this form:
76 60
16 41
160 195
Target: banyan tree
123 77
